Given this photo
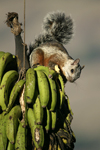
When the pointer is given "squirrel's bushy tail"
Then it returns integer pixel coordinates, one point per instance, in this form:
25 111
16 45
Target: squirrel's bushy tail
56 27
59 26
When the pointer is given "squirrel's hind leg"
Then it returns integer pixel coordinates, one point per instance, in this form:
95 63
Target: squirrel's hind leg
37 57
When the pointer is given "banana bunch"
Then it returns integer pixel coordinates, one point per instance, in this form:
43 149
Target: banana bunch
49 114
10 110
41 94
35 112
8 77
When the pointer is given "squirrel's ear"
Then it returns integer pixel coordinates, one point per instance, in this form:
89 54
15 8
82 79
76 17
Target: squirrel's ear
76 61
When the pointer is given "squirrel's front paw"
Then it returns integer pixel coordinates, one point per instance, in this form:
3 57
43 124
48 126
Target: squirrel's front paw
57 69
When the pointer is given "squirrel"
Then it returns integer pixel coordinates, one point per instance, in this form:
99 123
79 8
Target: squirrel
48 49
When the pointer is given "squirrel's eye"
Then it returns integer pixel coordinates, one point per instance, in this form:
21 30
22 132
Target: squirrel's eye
72 70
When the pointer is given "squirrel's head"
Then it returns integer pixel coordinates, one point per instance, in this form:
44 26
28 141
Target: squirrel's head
72 70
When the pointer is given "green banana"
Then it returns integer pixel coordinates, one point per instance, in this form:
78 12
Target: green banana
38 111
2 144
1 53
0 109
54 119
43 87
53 100
48 119
20 143
14 93
12 123
30 85
60 90
10 146
38 136
41 68
61 82
3 137
36 130
7 83
62 98
31 117
50 72
53 91
4 60
69 106
69 118
12 65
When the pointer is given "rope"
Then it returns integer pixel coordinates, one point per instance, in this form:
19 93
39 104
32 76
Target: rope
24 39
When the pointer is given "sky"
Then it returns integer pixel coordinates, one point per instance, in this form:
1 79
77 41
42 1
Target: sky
84 94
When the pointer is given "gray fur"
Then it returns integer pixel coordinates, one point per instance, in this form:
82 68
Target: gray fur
56 27
59 26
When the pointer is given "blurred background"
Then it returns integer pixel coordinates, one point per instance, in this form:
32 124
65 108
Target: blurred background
84 94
